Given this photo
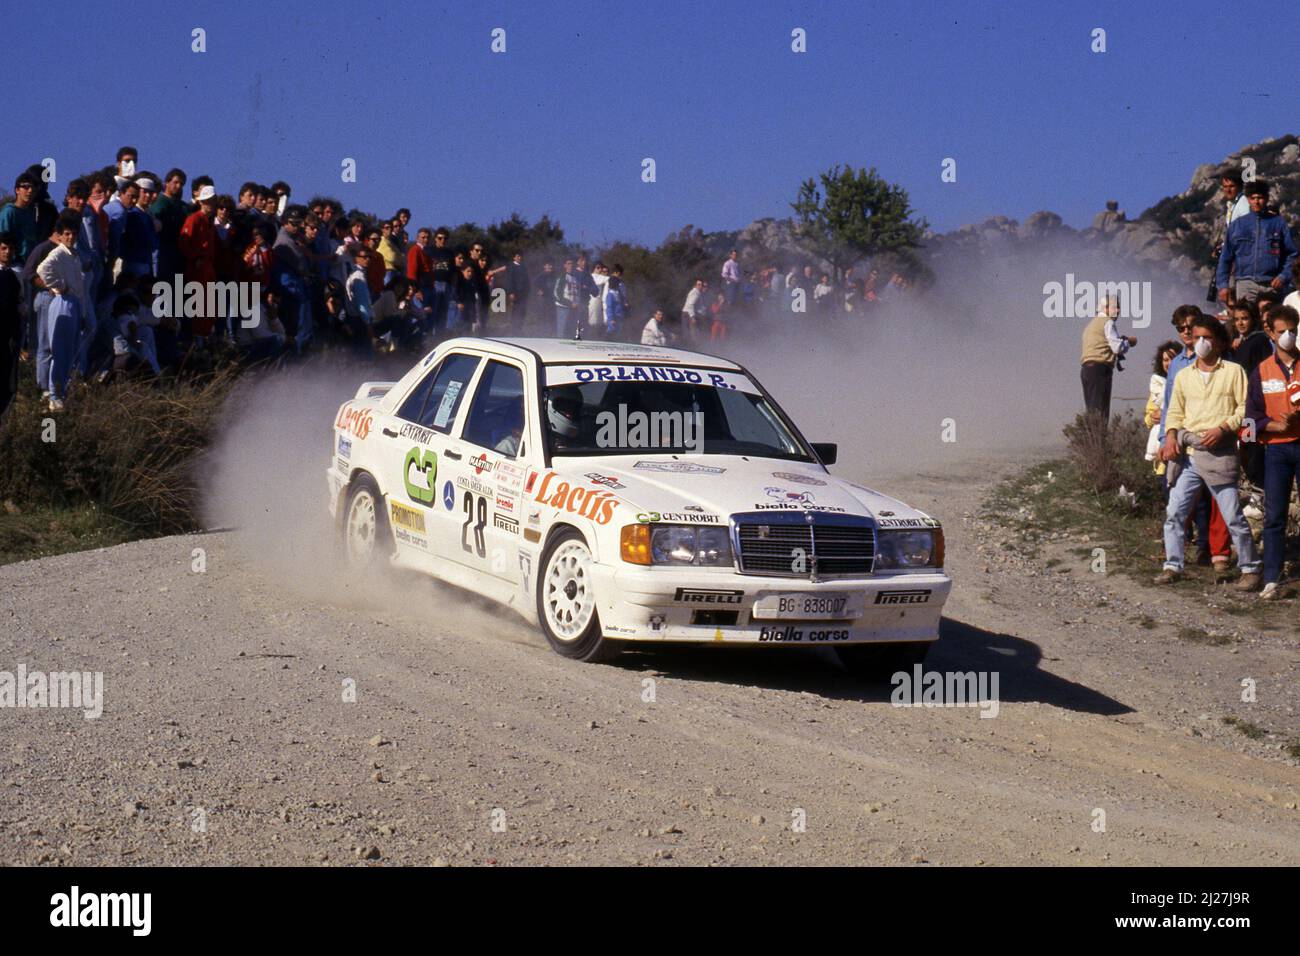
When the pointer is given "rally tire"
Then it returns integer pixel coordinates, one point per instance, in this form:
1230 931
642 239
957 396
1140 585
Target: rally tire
566 601
367 539
879 662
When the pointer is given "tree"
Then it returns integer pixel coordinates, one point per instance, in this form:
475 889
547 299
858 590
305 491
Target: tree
853 215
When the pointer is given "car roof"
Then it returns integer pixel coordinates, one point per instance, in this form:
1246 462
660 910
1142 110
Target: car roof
567 352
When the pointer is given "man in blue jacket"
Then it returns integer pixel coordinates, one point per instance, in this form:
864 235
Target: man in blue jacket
1258 248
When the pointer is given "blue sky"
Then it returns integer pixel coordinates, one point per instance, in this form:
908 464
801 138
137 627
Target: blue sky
734 120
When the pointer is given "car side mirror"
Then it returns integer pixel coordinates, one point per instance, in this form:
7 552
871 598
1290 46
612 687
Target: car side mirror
827 451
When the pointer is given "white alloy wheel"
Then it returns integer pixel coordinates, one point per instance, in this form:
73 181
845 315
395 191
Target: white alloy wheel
568 599
362 528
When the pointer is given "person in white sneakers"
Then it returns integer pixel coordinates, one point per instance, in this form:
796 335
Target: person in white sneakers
1273 405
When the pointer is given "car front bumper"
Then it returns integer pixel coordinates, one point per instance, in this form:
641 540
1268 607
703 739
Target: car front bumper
686 604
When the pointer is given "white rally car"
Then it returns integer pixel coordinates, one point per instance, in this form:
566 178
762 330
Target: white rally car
613 493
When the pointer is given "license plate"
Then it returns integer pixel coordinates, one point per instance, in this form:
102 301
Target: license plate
803 606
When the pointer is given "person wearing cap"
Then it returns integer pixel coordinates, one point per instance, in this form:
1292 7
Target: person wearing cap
1258 248
18 218
198 244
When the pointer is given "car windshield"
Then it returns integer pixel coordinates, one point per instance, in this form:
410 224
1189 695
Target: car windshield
619 412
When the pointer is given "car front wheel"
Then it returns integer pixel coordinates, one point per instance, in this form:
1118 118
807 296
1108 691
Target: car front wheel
566 601
367 539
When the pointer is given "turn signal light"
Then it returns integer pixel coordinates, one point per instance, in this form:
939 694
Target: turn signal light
634 543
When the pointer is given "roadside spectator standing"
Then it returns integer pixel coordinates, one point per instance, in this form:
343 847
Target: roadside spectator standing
543 296
596 303
288 271
1234 207
731 278
419 272
377 269
170 211
394 264
1156 405
1213 542
439 297
616 307
1258 249
37 333
359 307
1102 347
61 274
566 296
1206 407
1273 405
198 244
695 310
74 200
517 286
586 290
11 321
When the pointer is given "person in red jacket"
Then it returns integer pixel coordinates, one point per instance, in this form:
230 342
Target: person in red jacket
1273 409
198 244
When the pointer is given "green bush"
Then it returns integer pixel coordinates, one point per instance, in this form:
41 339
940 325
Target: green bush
1109 457
127 448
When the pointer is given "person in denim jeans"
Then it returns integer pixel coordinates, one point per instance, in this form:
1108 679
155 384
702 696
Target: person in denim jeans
1273 406
1206 407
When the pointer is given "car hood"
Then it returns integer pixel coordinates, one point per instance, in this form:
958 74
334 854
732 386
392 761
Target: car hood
692 488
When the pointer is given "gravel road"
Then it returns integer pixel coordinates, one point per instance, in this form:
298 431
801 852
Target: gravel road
226 737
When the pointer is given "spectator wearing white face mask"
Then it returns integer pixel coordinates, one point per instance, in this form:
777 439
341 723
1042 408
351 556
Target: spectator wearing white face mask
1273 404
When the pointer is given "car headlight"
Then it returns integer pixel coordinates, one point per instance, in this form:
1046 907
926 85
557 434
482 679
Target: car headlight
897 550
680 545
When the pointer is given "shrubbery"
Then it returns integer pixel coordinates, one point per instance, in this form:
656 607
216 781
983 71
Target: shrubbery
128 448
1111 457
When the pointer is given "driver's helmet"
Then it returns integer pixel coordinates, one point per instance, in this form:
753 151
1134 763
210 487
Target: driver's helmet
563 410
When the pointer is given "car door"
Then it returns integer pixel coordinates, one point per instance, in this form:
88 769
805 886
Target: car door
493 442
416 439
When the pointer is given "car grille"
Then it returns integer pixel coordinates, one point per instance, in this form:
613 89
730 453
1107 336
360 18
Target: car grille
832 545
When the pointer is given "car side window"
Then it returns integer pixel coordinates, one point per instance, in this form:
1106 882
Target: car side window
414 404
496 417
434 405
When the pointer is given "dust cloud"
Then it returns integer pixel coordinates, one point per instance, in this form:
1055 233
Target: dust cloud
973 359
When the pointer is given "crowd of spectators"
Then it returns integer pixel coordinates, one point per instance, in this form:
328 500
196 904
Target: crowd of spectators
78 302
1224 400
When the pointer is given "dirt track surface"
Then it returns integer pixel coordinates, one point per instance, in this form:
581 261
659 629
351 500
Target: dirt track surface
223 694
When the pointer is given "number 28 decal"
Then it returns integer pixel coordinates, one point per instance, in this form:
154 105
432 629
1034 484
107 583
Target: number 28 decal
480 546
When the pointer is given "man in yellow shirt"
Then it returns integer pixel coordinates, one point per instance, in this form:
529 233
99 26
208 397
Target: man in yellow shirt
1206 407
